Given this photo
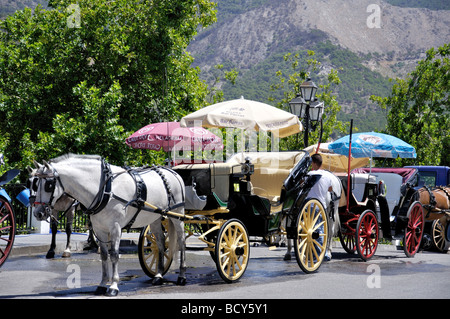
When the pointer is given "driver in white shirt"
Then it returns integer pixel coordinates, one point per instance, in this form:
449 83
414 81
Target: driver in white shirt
323 185
321 188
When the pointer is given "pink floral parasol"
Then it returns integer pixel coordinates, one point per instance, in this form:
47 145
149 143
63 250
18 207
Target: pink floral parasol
169 135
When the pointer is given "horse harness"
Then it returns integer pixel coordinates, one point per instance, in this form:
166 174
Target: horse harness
104 195
432 204
141 192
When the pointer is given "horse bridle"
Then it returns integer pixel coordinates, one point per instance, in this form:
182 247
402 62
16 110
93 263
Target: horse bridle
49 186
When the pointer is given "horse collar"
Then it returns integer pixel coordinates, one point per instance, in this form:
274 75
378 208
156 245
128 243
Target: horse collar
104 193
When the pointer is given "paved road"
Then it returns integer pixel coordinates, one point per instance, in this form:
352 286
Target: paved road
390 274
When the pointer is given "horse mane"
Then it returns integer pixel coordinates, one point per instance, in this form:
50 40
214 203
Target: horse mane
75 156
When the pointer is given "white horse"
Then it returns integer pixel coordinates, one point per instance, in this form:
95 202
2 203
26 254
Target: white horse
334 223
111 195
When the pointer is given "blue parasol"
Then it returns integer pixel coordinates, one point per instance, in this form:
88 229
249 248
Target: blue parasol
372 144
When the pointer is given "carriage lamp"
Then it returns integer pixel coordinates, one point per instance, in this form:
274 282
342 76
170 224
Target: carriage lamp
308 90
316 111
298 106
305 106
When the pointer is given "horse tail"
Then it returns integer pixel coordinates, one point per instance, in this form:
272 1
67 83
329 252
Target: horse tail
172 236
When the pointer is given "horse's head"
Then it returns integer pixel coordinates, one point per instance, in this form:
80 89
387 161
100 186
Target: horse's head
46 189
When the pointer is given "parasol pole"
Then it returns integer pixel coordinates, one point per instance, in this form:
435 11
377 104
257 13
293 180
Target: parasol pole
320 136
349 160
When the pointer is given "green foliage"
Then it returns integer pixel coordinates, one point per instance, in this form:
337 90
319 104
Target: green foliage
419 108
233 7
358 82
80 78
288 84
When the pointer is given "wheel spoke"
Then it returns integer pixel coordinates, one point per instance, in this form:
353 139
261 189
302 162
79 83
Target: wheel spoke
232 251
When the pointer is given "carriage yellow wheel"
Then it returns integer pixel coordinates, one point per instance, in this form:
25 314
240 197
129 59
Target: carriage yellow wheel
232 250
148 252
312 234
438 236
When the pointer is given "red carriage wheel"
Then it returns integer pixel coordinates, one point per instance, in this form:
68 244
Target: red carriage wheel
414 229
7 229
347 240
367 235
347 232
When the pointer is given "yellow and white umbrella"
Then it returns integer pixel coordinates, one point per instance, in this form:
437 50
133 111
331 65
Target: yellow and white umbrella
246 115
335 162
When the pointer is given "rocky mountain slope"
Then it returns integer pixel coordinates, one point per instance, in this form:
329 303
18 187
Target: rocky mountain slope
373 39
250 37
8 7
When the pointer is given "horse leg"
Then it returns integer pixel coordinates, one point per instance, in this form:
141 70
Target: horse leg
179 229
288 256
335 224
102 287
160 242
330 235
51 251
69 223
91 243
116 233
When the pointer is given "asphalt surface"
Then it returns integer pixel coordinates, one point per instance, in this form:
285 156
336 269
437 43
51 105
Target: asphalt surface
33 244
388 275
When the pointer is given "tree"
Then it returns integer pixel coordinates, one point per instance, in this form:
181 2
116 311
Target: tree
81 77
419 108
290 85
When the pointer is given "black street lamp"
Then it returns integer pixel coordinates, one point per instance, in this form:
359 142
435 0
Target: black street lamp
305 106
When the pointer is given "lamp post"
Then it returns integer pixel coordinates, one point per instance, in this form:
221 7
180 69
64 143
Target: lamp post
305 106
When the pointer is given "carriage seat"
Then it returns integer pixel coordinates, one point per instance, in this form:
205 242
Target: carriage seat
271 169
358 183
393 183
217 179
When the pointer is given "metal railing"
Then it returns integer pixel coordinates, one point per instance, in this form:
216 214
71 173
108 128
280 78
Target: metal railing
24 216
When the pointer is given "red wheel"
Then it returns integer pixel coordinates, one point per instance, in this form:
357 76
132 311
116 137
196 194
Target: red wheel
347 240
414 229
347 234
7 229
367 235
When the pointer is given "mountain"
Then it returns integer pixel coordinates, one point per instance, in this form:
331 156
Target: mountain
8 7
253 35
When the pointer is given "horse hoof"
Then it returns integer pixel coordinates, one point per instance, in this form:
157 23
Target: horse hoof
112 292
50 255
66 255
100 291
181 281
287 257
157 281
